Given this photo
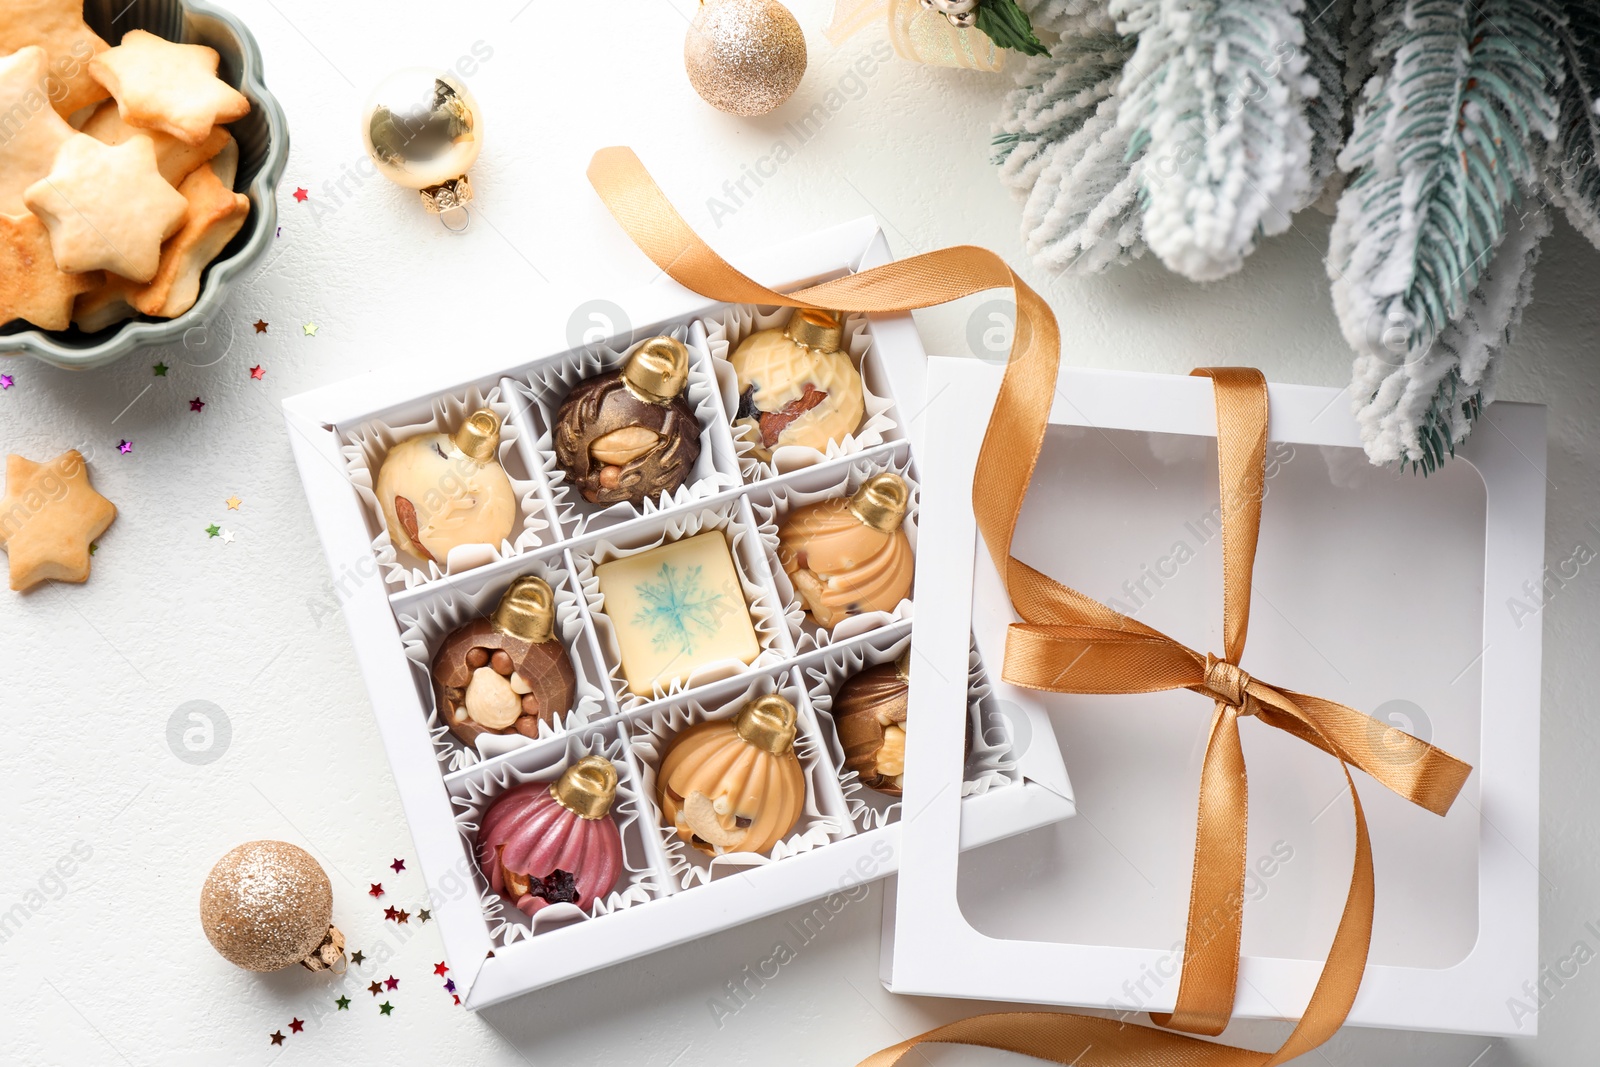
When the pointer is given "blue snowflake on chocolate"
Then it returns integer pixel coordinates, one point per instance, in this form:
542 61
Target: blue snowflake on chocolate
679 608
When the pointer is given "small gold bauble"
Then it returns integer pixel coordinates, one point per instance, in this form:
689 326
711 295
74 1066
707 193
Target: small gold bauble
744 57
423 129
266 905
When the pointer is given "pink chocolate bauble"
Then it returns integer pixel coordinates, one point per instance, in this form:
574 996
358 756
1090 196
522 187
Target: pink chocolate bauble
543 844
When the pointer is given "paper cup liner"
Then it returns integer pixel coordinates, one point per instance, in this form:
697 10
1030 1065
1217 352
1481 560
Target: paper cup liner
725 330
366 447
443 612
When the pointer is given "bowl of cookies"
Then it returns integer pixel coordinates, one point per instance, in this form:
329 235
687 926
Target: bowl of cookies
140 153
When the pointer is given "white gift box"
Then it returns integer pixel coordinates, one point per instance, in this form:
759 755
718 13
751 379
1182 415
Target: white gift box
1414 599
666 895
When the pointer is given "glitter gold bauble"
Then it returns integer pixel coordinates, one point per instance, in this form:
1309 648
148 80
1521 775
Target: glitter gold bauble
266 905
744 57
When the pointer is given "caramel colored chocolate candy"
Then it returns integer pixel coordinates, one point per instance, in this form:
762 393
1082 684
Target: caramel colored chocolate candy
869 711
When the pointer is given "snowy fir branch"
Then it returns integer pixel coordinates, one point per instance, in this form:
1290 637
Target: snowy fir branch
1572 174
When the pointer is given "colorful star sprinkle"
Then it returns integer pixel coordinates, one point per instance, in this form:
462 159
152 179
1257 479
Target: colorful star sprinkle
439 968
197 404
344 1003
297 1025
301 194
160 369
227 537
310 328
277 1037
233 503
258 372
375 988
391 913
404 915
392 982
213 530
358 957
449 985
376 891
261 326
7 381
423 915
398 865
385 1008
124 447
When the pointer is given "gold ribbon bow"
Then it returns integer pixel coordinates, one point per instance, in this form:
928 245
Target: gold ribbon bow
1069 643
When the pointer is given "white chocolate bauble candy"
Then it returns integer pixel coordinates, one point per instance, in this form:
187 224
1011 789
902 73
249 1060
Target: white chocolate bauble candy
440 491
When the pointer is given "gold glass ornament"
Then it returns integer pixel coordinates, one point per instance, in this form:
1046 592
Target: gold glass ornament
423 130
268 904
735 785
849 554
744 57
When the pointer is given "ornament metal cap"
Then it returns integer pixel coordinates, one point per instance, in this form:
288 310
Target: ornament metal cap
881 502
587 788
527 610
811 328
767 722
479 436
658 371
902 666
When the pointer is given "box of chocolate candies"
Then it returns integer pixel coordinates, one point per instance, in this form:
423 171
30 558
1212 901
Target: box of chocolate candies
635 617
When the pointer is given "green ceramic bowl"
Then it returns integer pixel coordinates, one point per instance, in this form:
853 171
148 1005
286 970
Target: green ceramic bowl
263 137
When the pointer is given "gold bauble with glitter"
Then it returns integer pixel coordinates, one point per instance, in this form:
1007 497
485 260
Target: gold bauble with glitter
744 57
266 905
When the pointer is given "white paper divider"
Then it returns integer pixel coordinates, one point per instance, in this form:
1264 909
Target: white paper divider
766 612
447 608
772 501
725 330
474 792
825 816
365 447
547 385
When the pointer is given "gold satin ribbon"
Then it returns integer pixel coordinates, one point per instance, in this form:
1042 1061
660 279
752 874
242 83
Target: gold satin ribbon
1068 643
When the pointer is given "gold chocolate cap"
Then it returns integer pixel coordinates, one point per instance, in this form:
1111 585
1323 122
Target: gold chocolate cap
587 788
881 502
479 436
902 666
811 328
658 371
768 723
527 610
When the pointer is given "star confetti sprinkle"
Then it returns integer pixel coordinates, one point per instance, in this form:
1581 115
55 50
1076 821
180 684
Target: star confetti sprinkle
233 503
197 404
439 968
458 999
392 982
344 1003
376 891
227 537
391 913
124 447
358 957
404 915
261 326
160 369
301 194
258 372
449 985
297 1025
7 381
375 988
398 865
310 328
423 915
213 530
277 1037
385 1008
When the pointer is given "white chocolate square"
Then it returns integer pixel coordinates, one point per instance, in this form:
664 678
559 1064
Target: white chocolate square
677 608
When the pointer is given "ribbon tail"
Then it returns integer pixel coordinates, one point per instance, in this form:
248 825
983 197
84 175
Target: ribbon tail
850 17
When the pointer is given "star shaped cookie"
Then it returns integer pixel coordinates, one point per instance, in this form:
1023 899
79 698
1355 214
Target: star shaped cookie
174 158
58 28
32 287
32 133
215 214
107 207
174 88
49 517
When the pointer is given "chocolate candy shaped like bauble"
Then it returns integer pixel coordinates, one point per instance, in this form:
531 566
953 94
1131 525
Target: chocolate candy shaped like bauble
267 905
631 435
439 491
869 711
543 844
507 673
849 554
734 785
796 387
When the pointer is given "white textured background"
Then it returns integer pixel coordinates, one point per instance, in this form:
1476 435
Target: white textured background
111 966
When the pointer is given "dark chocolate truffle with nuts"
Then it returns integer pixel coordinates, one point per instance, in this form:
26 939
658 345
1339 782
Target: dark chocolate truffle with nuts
507 673
869 711
631 434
